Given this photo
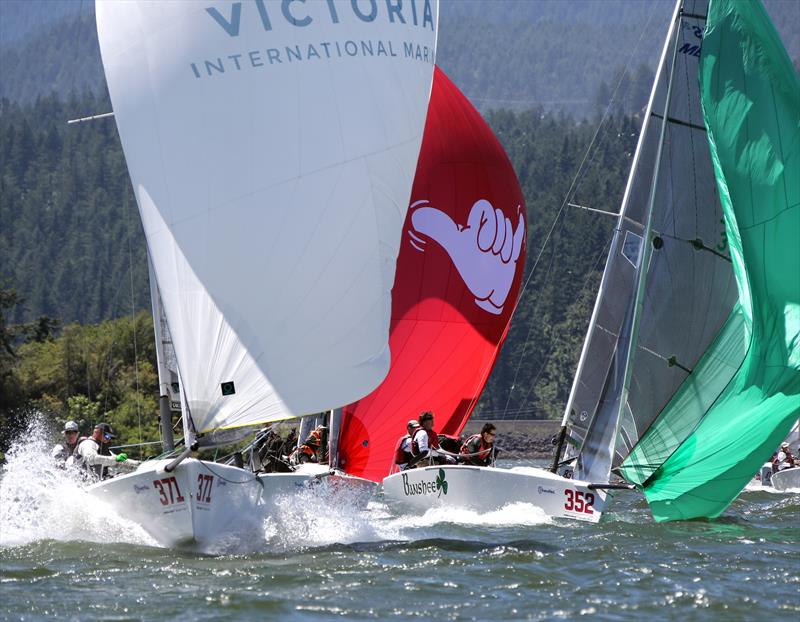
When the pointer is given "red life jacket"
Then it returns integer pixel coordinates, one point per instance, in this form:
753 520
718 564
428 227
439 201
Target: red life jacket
483 449
433 441
400 456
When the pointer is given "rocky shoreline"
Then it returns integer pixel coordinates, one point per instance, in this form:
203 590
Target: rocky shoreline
521 439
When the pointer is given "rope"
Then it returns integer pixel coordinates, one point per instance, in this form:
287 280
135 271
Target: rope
230 481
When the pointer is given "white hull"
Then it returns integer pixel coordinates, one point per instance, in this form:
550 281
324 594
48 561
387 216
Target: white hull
788 479
201 505
485 489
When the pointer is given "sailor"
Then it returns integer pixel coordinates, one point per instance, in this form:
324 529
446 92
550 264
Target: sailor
94 454
425 444
402 452
314 448
63 451
784 459
478 449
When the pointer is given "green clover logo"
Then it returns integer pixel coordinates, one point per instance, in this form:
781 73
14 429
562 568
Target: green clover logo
441 484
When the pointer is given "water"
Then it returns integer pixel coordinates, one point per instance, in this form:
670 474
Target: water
63 557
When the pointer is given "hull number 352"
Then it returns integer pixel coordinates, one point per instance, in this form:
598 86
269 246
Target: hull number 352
578 501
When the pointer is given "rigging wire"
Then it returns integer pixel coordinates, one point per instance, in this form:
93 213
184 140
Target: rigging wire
575 180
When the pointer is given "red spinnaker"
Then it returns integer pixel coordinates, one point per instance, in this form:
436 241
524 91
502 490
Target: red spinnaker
458 276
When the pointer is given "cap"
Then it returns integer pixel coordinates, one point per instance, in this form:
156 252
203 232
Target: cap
784 445
70 426
413 423
106 428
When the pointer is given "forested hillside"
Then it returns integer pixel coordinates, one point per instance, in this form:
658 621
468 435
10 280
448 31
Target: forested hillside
71 243
70 227
564 55
72 248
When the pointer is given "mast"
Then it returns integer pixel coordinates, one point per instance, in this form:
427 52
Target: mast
618 239
333 437
165 412
647 247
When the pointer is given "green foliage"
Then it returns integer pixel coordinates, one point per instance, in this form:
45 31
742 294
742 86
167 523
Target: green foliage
73 237
102 372
71 241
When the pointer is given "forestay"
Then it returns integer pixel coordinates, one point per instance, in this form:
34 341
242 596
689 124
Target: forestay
272 149
458 276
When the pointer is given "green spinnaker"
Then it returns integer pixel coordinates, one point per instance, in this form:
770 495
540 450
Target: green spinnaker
750 95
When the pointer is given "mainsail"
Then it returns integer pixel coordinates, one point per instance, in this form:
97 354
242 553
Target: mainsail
272 149
458 276
689 290
694 381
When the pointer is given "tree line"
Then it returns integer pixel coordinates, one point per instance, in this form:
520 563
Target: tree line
73 268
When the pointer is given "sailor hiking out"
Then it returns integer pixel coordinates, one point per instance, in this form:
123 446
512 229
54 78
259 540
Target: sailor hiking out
94 454
478 449
64 450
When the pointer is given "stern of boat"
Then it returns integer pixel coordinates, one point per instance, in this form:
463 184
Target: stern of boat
488 489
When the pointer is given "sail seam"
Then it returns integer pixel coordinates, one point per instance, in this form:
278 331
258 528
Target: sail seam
676 121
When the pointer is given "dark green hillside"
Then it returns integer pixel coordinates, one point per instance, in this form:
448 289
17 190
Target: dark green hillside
533 374
18 18
71 234
68 215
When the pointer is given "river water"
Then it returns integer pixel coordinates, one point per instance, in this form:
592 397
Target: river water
64 557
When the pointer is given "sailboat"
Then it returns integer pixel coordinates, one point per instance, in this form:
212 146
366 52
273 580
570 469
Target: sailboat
458 278
690 372
272 150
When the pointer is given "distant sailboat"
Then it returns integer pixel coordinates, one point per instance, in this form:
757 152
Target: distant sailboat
690 374
272 149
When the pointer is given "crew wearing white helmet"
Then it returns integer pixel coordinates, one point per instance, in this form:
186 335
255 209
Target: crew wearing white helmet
784 459
66 448
402 452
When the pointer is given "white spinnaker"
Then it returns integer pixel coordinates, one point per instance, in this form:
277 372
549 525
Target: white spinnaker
272 148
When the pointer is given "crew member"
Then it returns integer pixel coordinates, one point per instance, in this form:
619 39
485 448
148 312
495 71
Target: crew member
425 444
94 454
478 449
784 459
64 450
314 448
402 453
